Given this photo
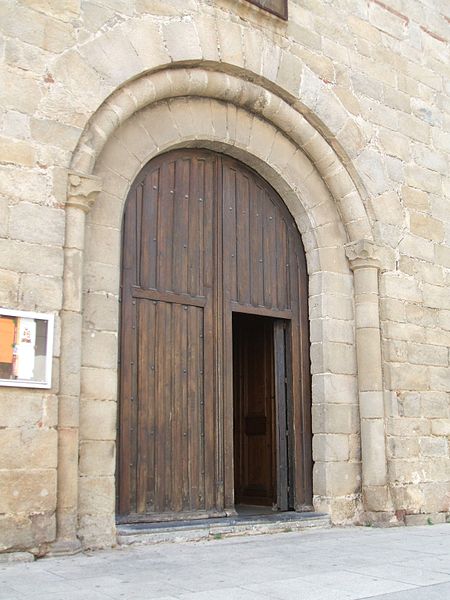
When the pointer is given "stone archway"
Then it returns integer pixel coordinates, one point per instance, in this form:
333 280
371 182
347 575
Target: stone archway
221 112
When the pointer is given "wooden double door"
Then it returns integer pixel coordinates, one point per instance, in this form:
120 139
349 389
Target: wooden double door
214 361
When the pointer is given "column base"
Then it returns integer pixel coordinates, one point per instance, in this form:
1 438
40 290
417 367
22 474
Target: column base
377 498
64 548
380 519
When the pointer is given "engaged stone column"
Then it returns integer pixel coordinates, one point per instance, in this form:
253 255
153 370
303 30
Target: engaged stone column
81 195
364 257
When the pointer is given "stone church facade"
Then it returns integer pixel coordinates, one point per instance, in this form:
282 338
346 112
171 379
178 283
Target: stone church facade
342 108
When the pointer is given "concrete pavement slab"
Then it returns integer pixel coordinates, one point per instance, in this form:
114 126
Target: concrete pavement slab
336 564
440 591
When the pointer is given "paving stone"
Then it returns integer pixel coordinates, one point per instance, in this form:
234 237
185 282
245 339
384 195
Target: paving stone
396 564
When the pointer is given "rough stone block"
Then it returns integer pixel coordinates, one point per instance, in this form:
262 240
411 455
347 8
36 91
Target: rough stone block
408 427
181 40
32 491
440 427
403 447
103 245
101 312
407 497
442 256
334 388
331 306
101 277
97 458
337 478
421 315
22 257
98 420
408 377
97 496
17 152
28 449
436 499
27 409
422 354
9 288
100 350
433 446
99 384
290 72
330 447
435 405
418 247
40 293
97 531
439 378
388 209
396 285
333 357
335 418
425 519
427 227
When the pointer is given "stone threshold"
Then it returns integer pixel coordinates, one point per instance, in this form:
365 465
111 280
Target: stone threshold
217 528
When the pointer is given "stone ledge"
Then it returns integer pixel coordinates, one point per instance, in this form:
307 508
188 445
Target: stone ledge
190 531
15 557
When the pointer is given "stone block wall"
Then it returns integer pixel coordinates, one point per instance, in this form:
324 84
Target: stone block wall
373 78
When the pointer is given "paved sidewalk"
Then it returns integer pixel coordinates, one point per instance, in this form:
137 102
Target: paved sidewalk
336 564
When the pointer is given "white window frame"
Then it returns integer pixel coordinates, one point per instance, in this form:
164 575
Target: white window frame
50 318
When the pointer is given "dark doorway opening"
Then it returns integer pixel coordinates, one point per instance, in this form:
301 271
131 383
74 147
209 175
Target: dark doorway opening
260 414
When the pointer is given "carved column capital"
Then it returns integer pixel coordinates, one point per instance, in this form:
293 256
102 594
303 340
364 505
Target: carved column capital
363 254
82 190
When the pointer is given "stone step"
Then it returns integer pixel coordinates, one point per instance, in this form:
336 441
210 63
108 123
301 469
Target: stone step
217 528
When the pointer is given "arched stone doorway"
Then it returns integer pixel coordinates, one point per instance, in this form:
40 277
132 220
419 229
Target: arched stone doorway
214 351
210 109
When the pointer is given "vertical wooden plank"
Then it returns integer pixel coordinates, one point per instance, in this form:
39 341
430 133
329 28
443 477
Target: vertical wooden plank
180 226
209 358
175 418
298 433
305 375
227 378
126 353
194 242
281 255
184 400
165 224
160 431
193 423
243 237
143 388
149 231
281 414
199 241
256 246
221 408
229 224
168 399
290 416
270 275
138 233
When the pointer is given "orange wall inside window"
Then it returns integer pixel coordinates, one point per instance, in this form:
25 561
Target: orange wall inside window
7 333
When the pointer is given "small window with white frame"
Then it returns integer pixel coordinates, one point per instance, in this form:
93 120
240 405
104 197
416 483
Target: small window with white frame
26 348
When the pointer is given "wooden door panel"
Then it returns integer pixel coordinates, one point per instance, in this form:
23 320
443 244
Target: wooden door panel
204 236
256 242
170 449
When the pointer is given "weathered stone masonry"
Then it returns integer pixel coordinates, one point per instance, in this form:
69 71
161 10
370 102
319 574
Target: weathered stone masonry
344 110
